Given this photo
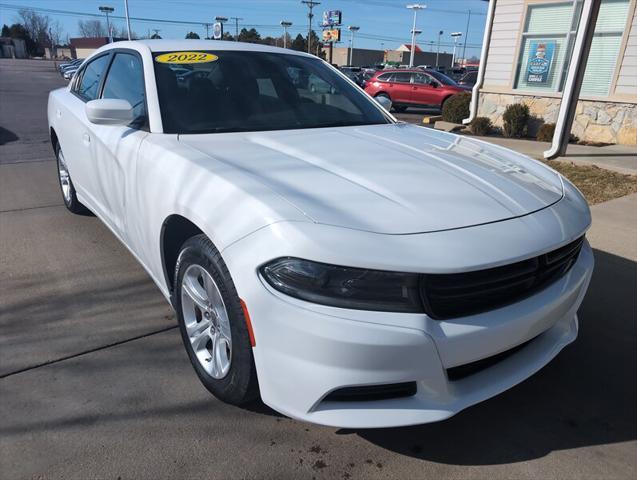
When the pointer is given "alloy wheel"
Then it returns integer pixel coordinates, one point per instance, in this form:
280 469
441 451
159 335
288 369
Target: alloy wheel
206 321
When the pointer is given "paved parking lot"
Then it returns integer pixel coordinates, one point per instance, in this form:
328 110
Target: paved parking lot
94 381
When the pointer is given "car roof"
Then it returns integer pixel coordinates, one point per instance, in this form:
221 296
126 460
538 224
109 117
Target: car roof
407 70
191 44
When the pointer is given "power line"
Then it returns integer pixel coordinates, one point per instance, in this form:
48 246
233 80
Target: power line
265 27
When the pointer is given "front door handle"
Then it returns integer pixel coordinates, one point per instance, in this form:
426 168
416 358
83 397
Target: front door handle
86 138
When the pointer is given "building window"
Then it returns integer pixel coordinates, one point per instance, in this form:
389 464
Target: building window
547 43
604 54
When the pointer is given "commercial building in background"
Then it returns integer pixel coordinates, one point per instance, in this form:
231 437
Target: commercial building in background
84 46
529 48
363 57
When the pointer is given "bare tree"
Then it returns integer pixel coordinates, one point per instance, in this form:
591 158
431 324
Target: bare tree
56 32
92 28
122 32
37 27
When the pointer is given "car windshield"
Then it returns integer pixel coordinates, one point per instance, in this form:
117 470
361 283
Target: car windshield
441 77
236 91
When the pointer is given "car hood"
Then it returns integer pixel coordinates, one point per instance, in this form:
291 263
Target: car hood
392 179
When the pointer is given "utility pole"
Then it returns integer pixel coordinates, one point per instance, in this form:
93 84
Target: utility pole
107 10
127 19
207 25
285 26
310 4
455 36
438 51
466 39
352 29
415 7
236 27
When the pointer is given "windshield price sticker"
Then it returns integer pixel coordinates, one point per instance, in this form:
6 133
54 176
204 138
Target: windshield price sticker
177 58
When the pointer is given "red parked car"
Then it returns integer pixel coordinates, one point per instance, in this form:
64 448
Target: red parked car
413 88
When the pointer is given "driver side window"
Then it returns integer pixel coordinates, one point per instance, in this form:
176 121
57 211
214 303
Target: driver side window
125 80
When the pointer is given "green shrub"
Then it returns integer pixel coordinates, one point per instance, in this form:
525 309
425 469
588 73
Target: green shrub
456 108
545 132
516 120
481 126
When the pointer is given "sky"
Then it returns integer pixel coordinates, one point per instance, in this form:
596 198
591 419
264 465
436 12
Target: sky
383 23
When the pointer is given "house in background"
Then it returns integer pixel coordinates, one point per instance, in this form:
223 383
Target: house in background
84 46
529 48
13 48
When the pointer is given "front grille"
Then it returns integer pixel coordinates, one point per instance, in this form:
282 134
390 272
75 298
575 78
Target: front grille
468 369
372 392
460 294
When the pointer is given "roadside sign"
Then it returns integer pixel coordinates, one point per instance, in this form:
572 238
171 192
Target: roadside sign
332 35
217 31
332 18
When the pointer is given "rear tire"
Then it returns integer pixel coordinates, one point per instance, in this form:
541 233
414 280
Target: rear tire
212 323
69 195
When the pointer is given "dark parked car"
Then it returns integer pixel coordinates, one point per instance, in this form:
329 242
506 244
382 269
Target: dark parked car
413 88
469 79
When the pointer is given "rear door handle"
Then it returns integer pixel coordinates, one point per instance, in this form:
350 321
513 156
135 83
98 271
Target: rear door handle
86 138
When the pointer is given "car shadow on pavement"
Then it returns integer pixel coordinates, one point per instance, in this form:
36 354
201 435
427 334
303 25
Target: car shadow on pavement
7 136
586 396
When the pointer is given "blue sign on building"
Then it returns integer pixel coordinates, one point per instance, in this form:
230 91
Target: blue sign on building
540 60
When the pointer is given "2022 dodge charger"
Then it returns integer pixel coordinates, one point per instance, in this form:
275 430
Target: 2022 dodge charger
353 270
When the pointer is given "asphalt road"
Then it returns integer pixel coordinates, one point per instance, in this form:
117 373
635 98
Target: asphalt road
94 381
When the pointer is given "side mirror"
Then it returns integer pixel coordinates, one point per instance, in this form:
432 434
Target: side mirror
435 84
109 111
384 102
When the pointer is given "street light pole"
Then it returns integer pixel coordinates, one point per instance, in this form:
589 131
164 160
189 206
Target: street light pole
353 30
455 36
127 19
285 26
438 51
107 10
415 7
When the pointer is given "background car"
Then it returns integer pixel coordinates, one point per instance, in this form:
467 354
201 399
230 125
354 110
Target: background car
69 72
469 79
413 88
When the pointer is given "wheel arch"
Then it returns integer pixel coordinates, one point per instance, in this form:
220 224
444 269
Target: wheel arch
175 231
54 137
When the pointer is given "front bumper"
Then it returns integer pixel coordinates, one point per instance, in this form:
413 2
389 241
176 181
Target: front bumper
305 351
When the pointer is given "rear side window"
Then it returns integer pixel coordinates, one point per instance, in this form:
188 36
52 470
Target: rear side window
402 77
125 80
89 85
422 78
385 77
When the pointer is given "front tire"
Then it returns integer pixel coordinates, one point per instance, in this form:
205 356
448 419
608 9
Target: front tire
69 195
212 323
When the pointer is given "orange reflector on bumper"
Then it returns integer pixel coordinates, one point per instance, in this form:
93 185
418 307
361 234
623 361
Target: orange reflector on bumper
253 342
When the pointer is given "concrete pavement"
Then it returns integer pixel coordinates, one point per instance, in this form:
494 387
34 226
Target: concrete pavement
619 158
96 383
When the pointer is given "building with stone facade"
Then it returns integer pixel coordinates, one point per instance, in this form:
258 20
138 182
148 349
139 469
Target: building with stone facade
529 46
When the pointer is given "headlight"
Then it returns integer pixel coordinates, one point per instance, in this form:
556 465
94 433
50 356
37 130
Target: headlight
345 287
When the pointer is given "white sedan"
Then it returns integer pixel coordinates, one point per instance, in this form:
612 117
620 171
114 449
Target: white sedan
350 269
